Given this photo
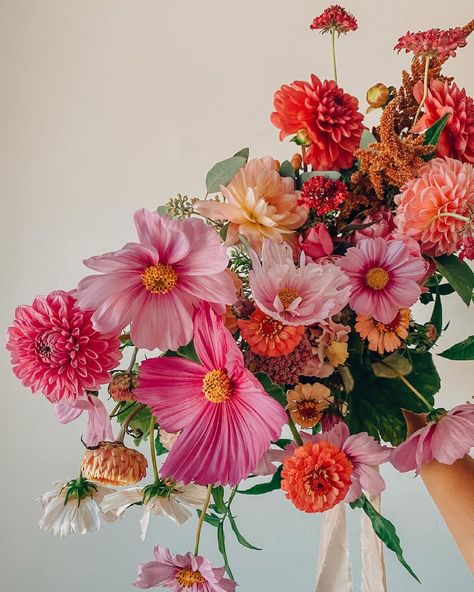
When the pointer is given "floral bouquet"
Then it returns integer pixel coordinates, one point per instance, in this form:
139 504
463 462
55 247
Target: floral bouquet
280 300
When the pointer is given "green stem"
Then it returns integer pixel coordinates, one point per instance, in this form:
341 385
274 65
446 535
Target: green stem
152 448
126 422
133 359
333 45
201 519
303 153
115 409
425 88
294 431
416 392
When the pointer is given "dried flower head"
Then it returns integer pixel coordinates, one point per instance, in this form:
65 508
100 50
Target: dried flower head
120 389
112 463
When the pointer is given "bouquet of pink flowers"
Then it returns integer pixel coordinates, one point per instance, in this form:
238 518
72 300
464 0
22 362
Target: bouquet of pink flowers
279 302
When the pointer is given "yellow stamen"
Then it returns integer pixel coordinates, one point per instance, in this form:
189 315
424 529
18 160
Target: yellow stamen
187 578
377 278
287 296
159 278
217 386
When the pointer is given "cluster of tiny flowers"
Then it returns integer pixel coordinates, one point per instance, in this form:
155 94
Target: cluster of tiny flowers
282 369
467 248
335 18
438 43
323 195
243 308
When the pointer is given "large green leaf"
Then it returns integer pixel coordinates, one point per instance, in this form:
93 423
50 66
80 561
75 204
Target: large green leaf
433 133
461 351
375 403
140 424
245 153
223 172
333 175
437 315
271 485
222 549
218 498
275 391
459 275
385 530
392 366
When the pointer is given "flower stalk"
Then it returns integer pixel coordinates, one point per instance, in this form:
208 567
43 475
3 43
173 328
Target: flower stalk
201 520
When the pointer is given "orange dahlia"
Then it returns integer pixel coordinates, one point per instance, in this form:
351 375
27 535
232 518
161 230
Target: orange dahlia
306 403
268 337
316 477
384 337
112 463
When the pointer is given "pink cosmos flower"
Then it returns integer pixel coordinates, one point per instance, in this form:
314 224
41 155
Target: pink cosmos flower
182 573
445 440
99 426
55 349
384 277
436 43
317 242
227 419
156 283
302 295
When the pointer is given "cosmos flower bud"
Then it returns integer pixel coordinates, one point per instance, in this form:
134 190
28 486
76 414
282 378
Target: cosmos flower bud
296 161
112 463
377 96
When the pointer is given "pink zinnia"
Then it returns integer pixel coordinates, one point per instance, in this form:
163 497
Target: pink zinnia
227 419
302 295
328 116
445 440
56 350
335 18
434 43
182 573
457 137
384 277
435 208
155 284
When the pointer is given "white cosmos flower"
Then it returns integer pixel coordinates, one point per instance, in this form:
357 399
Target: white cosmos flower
64 515
162 499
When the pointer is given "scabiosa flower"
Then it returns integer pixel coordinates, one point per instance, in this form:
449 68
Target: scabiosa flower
434 43
327 115
216 404
282 369
182 573
446 439
384 277
322 195
55 349
112 463
306 403
384 338
435 208
156 283
259 203
457 137
293 295
163 498
335 18
269 337
73 507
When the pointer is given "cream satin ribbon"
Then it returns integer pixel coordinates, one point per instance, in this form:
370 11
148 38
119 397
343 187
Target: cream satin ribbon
333 566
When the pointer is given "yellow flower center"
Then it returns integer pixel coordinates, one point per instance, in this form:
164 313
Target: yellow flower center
287 296
159 278
217 386
377 278
187 577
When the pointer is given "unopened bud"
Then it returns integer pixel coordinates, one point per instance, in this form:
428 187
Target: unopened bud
296 161
276 164
377 96
302 137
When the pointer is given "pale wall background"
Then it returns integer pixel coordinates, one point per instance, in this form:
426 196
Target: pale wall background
111 105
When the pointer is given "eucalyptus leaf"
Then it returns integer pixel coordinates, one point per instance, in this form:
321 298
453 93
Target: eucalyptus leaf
239 536
366 139
459 275
245 152
333 175
461 351
223 172
286 170
163 211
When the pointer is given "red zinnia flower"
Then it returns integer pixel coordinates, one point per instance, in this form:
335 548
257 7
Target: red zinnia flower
322 194
337 18
433 43
328 117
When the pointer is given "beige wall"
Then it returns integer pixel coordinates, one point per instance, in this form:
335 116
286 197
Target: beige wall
110 105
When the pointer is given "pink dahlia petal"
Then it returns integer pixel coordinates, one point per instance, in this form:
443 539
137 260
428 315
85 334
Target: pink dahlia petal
99 427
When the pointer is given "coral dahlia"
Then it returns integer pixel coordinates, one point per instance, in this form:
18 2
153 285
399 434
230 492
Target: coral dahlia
56 350
384 337
328 116
436 207
336 18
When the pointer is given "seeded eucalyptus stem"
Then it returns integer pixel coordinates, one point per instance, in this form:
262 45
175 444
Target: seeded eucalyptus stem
294 430
152 448
201 519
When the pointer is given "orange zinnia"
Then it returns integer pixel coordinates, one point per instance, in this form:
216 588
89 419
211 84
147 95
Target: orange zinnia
384 337
268 337
316 477
306 403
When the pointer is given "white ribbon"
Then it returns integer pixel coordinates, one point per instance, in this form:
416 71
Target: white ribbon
373 566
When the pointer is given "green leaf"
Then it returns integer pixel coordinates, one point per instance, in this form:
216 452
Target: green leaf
239 537
218 497
189 352
458 274
461 351
333 175
211 519
223 172
140 424
385 530
275 391
286 170
442 290
282 443
392 366
244 153
437 315
159 448
163 211
366 139
261 488
433 133
222 549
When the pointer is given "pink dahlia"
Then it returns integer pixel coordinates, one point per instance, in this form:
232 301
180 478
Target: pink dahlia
434 43
384 277
335 18
323 195
227 419
155 284
56 350
328 116
446 440
302 295
457 137
182 573
436 207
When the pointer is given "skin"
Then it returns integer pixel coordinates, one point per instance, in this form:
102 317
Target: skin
446 483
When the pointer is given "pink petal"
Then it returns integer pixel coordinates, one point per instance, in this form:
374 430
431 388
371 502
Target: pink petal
164 234
132 256
212 341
